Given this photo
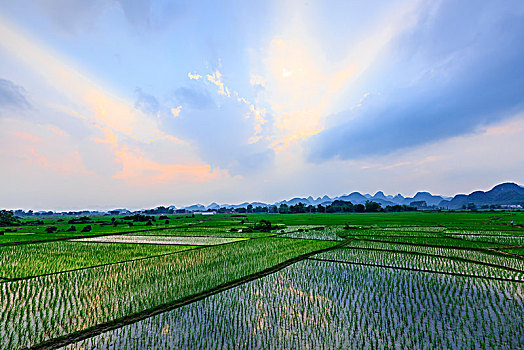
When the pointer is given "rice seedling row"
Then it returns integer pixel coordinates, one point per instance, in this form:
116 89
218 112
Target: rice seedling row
431 241
86 298
479 256
519 251
318 305
408 261
505 240
209 231
31 260
486 233
327 234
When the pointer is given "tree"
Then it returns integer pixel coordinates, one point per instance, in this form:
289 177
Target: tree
283 209
372 207
7 218
297 208
51 229
263 225
360 208
249 208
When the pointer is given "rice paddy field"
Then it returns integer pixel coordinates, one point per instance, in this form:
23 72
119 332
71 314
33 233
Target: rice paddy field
415 280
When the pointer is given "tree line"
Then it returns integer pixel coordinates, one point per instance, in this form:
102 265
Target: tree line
337 206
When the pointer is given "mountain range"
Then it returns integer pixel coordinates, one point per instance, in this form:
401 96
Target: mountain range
502 194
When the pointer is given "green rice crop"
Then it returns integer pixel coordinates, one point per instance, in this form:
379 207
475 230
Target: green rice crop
406 260
519 251
207 231
439 241
484 233
50 257
42 308
324 305
327 234
502 239
474 255
389 233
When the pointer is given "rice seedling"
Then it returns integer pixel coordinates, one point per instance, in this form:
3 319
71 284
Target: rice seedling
320 233
427 240
420 262
46 307
486 257
497 239
50 257
319 305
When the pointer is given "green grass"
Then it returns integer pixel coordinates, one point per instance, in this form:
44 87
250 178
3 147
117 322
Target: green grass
51 257
99 225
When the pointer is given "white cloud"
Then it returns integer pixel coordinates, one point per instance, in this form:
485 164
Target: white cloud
176 111
194 76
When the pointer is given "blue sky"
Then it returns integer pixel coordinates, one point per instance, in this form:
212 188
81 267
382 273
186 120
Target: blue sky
130 103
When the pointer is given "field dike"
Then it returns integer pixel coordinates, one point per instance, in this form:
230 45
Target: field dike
135 317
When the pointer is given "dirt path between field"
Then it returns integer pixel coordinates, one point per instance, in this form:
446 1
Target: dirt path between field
133 318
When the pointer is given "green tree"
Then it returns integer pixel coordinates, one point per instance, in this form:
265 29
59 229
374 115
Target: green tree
372 207
283 209
7 218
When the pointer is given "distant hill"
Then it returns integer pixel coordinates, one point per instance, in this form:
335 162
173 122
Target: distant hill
504 194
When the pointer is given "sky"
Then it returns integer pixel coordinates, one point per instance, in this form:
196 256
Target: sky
138 103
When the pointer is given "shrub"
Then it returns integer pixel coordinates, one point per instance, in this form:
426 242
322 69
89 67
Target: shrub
51 229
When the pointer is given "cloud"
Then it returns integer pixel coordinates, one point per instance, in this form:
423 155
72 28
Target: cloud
176 111
73 17
227 131
303 82
137 12
194 76
137 169
450 75
257 81
193 97
216 78
12 95
146 103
